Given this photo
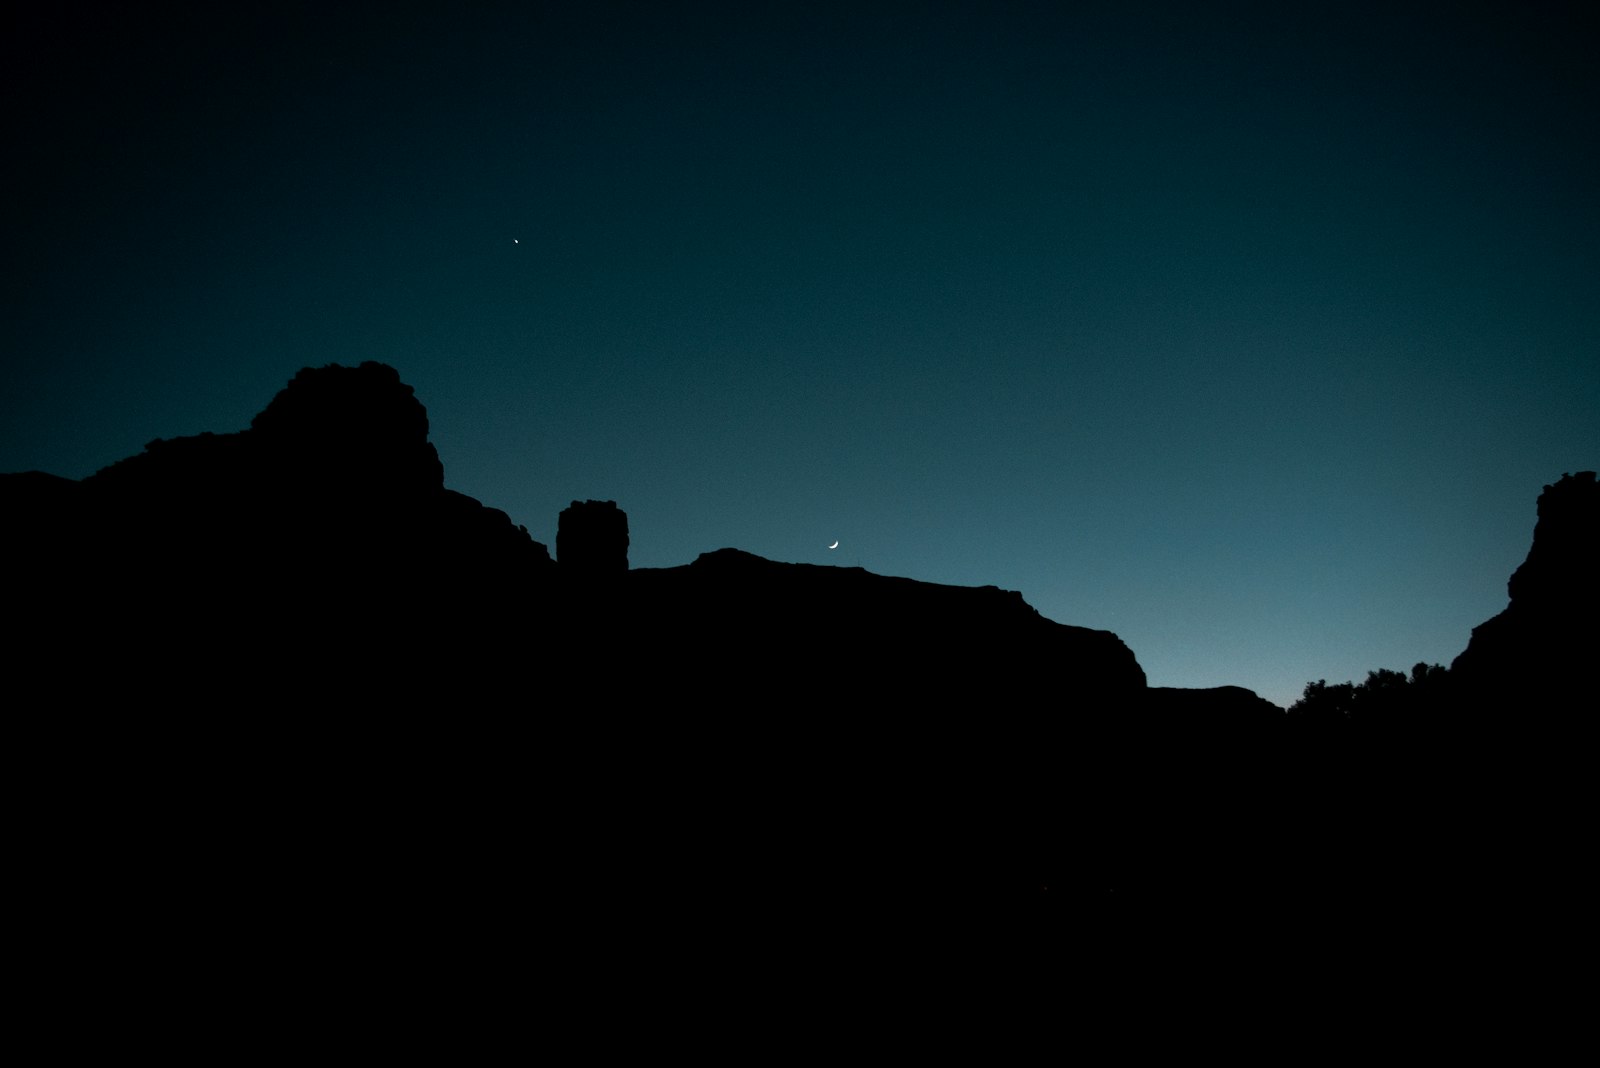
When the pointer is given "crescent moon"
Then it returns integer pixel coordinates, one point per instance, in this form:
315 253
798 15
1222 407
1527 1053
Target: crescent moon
835 545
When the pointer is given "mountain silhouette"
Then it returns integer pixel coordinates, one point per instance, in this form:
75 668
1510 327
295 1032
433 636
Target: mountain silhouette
327 524
288 665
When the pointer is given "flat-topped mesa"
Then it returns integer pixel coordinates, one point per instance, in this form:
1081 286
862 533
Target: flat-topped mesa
845 635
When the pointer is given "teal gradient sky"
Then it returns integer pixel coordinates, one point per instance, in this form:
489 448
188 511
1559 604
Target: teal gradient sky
1247 333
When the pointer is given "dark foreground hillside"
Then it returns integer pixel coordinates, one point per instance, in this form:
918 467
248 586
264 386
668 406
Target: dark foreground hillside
284 704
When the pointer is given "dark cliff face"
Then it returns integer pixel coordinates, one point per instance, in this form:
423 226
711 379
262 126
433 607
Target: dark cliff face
1537 651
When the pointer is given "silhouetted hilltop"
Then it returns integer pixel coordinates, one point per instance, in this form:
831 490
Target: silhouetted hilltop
327 523
1234 703
338 467
886 636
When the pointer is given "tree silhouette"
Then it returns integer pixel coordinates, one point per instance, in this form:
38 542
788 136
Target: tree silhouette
1325 702
1384 693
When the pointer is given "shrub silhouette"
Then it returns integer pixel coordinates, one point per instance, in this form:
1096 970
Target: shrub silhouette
1384 693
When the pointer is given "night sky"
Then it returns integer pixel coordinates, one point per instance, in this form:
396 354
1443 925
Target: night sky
1247 332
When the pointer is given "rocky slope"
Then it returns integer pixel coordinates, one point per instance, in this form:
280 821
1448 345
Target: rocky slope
1536 652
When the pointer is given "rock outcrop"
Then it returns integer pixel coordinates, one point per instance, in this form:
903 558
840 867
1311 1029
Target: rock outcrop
1537 651
208 560
592 538
357 429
